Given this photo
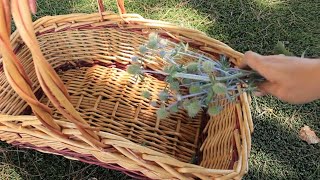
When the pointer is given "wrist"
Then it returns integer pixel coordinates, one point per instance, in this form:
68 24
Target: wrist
316 76
316 68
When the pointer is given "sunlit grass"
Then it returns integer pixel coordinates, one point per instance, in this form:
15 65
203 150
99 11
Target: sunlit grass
264 166
271 3
8 172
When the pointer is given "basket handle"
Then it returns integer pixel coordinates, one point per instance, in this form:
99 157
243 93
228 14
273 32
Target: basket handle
50 82
16 75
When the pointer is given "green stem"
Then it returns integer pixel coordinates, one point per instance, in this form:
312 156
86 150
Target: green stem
197 77
206 78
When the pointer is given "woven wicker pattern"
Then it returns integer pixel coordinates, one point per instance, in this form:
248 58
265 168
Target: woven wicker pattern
110 99
92 111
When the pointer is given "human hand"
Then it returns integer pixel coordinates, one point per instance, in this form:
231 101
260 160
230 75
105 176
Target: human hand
291 79
33 6
5 4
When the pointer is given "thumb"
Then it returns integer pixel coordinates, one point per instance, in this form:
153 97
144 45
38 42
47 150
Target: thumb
258 63
33 6
268 88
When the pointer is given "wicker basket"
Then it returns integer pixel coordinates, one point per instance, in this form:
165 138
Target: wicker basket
64 91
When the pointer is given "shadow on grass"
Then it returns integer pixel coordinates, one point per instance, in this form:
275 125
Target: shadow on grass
259 24
20 163
243 24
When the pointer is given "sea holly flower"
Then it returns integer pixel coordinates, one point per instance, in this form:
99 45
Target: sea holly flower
146 94
208 66
134 69
219 88
192 85
135 60
154 103
162 53
174 85
192 67
195 88
174 108
193 108
143 49
152 44
163 95
162 113
214 110
163 43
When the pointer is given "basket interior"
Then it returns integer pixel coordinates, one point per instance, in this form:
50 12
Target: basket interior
91 63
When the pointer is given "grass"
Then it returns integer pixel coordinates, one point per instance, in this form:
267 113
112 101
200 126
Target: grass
277 151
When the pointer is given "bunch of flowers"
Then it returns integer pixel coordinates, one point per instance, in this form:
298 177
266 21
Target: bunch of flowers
195 85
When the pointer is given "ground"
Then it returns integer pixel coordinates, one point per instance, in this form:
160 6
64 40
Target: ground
277 151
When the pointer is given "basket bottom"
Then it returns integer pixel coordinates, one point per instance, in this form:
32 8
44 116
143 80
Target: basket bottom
110 98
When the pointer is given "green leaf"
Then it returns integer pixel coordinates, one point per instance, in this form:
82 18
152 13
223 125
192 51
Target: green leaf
186 47
192 67
143 49
174 85
162 113
183 47
193 108
180 68
219 88
142 77
208 66
195 88
214 110
281 49
169 79
146 94
166 69
174 69
134 69
224 62
163 95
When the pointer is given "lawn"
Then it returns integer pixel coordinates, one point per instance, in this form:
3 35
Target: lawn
277 151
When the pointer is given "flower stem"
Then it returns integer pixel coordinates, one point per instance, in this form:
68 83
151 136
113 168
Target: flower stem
206 78
196 77
192 95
